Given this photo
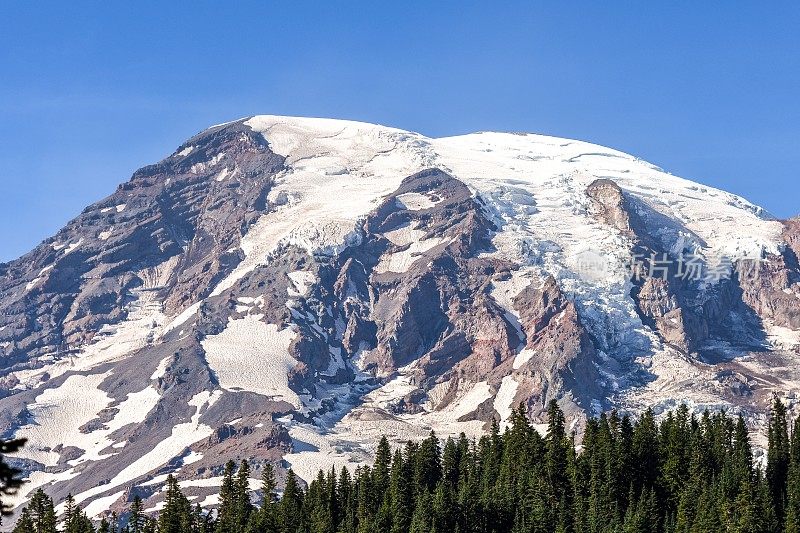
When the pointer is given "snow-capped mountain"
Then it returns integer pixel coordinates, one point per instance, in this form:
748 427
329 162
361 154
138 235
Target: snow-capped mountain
289 289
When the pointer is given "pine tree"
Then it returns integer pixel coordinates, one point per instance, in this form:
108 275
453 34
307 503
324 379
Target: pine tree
176 515
400 494
428 465
792 523
25 523
345 495
75 520
778 456
556 455
264 519
422 521
226 512
686 474
381 467
42 513
137 521
69 511
290 508
317 507
242 505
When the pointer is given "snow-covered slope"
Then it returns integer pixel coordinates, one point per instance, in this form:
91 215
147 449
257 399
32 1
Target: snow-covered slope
291 288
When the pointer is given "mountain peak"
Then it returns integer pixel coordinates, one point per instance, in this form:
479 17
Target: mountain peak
286 288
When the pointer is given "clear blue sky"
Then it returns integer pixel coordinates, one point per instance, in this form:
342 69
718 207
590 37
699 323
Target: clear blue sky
91 91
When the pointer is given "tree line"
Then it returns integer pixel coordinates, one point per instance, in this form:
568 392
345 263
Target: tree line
683 474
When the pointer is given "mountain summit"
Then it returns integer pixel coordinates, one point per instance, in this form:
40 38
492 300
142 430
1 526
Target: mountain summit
288 289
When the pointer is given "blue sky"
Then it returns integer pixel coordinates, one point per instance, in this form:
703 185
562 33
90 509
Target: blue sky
91 91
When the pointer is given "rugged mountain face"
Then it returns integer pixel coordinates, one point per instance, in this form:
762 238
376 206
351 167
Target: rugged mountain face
287 290
173 229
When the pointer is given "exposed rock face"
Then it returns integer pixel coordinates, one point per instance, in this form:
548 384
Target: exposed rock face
686 310
791 234
287 290
770 287
174 229
564 357
415 290
659 293
611 207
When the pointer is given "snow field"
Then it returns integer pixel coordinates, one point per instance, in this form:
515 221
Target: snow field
401 261
415 201
404 235
58 413
183 435
253 356
504 400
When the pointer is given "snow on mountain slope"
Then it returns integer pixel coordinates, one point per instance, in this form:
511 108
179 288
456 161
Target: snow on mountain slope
292 288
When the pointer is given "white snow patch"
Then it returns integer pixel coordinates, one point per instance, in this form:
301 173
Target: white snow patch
466 404
402 261
186 151
191 457
504 291
354 163
157 507
57 415
181 319
104 235
35 480
782 338
203 165
144 321
302 281
158 480
253 356
72 247
224 173
134 409
161 369
504 400
523 357
101 505
415 201
31 284
209 482
404 235
183 435
210 501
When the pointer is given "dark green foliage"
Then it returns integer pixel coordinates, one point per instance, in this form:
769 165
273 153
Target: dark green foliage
42 513
290 508
242 507
176 515
686 474
226 517
9 481
75 520
778 456
25 523
138 521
